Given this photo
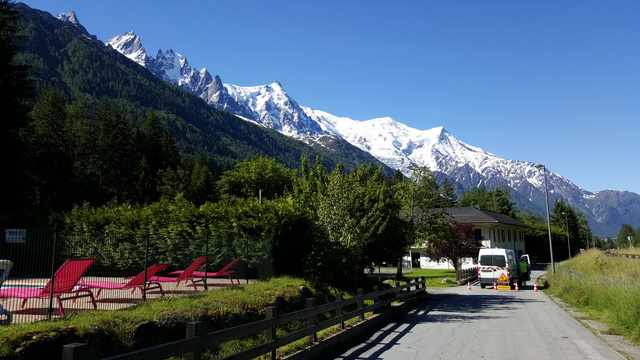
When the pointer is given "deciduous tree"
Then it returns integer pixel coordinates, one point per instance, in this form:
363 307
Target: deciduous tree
451 241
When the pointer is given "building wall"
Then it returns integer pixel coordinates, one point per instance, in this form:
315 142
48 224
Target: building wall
500 236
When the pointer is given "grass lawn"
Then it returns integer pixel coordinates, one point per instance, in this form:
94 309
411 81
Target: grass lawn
434 276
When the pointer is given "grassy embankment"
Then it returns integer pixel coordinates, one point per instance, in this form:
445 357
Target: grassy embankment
605 288
166 318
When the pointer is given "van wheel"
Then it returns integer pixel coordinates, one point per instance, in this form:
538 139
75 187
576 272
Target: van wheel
482 286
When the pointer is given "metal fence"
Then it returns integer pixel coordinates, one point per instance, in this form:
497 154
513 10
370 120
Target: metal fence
37 254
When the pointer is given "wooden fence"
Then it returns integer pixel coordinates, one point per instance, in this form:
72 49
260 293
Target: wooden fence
464 275
196 339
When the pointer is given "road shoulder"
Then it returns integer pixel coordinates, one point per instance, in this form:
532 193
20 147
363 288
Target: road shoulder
616 342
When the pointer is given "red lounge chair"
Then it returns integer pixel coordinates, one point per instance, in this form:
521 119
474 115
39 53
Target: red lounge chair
185 275
222 272
134 283
65 281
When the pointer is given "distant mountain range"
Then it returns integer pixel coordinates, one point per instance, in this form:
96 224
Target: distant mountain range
394 144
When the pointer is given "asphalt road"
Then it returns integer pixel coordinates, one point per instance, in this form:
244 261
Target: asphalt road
457 323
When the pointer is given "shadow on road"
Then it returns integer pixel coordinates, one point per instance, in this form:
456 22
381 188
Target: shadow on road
462 308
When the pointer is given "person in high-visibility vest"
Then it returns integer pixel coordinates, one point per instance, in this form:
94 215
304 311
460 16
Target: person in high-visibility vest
525 271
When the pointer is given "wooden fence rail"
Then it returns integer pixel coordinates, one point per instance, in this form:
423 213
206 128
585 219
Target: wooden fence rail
196 339
466 274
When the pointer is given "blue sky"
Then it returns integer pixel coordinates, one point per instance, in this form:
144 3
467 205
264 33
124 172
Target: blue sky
552 82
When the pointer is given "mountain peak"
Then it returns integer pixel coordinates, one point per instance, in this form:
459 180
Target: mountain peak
72 19
130 46
69 17
442 132
275 87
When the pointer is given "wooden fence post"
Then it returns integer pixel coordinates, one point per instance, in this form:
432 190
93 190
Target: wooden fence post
75 351
361 302
397 288
375 290
424 284
339 310
194 329
270 334
311 320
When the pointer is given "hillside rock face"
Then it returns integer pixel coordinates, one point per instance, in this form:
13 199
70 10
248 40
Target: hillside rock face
394 144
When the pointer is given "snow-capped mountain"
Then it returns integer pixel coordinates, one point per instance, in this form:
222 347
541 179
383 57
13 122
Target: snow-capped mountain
267 105
394 144
130 46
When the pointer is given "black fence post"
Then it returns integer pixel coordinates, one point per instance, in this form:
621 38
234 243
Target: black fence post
361 302
375 290
194 329
311 320
246 260
339 310
75 351
270 334
206 253
52 273
146 264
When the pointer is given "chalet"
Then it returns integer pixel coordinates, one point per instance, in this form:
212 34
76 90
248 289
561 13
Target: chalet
492 228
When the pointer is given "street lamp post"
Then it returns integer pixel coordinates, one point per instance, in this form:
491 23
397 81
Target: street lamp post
546 198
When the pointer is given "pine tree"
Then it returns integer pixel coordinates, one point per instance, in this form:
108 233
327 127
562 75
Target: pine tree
117 161
14 93
51 152
448 194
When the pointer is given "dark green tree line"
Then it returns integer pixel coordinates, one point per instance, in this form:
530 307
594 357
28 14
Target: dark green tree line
15 92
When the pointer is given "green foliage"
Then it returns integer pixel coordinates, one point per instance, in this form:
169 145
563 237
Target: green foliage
567 224
14 95
262 176
497 200
626 232
88 152
50 151
359 222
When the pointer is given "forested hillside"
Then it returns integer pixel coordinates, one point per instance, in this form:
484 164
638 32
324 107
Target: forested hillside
103 128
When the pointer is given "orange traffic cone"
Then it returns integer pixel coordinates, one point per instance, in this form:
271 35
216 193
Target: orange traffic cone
535 287
468 285
495 287
517 287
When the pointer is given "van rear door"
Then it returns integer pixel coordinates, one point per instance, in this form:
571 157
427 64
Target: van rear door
491 266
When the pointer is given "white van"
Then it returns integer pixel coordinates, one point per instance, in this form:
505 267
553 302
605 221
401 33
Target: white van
497 266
